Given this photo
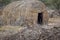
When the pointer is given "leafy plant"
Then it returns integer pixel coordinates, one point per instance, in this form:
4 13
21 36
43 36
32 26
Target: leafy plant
54 4
5 2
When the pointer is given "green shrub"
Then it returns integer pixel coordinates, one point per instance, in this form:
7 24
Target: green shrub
5 2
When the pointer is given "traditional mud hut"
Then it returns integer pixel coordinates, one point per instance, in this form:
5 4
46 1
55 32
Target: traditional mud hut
32 11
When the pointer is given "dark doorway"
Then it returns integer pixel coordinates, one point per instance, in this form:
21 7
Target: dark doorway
40 18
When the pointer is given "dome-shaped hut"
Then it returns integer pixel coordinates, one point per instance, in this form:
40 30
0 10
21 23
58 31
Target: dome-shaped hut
32 11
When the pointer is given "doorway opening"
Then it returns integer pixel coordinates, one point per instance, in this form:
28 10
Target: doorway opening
40 18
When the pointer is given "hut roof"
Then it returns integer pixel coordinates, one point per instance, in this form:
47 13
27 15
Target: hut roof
25 4
22 9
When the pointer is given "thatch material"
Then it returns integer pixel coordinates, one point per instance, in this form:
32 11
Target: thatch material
25 10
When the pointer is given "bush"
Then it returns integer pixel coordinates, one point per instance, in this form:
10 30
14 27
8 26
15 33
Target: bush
5 2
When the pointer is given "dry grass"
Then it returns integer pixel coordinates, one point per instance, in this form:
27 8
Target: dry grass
54 20
14 28
10 30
